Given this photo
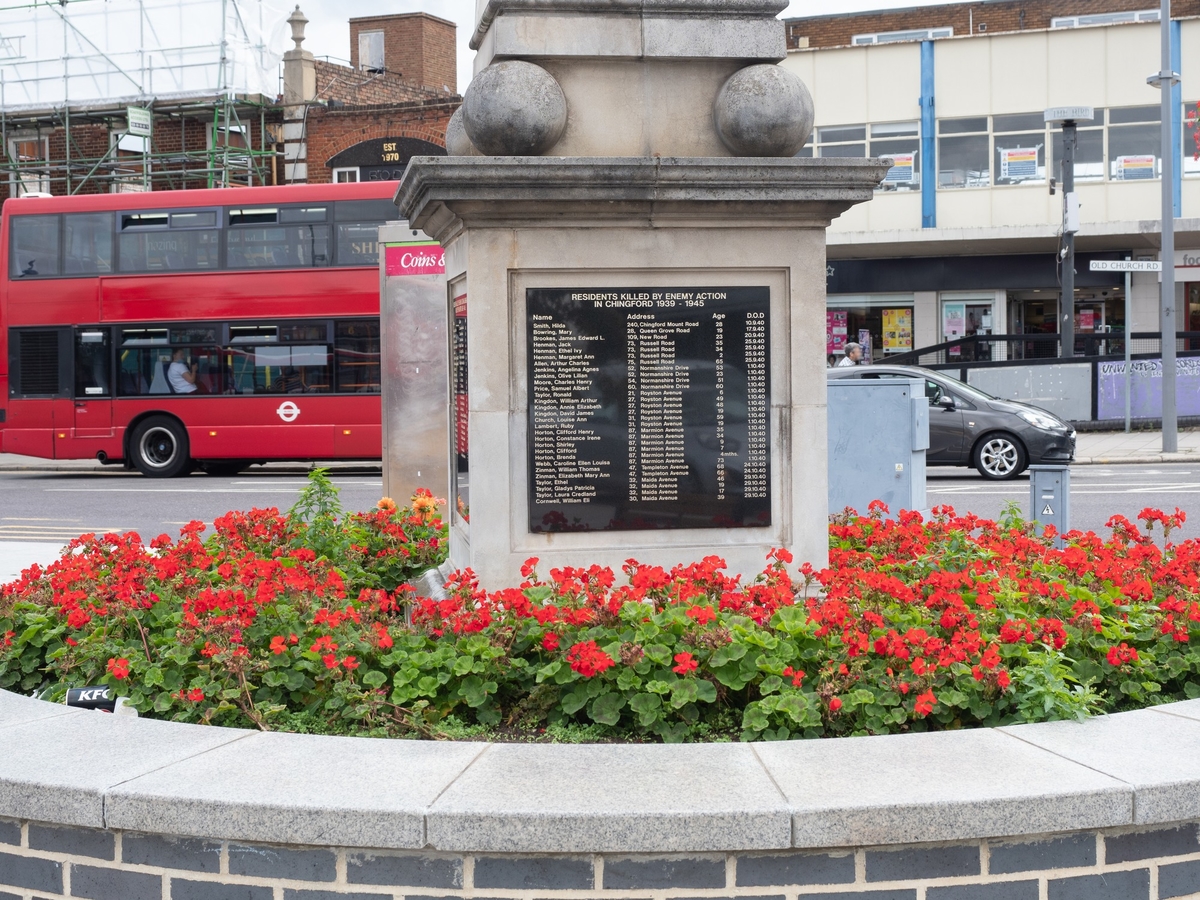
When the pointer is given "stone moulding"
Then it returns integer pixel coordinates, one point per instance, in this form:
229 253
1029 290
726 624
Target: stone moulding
437 192
88 769
687 8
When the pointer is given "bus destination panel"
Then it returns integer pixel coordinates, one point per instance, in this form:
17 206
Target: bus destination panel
648 408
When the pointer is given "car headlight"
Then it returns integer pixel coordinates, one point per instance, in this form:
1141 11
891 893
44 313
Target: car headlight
1041 420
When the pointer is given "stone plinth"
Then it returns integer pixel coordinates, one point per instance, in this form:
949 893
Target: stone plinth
519 223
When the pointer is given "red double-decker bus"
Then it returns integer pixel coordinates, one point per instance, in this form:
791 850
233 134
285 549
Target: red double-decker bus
178 329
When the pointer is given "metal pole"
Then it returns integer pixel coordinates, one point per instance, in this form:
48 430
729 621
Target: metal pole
1170 437
1128 349
1066 305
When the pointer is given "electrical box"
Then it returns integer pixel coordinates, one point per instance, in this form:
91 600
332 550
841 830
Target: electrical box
1050 497
878 435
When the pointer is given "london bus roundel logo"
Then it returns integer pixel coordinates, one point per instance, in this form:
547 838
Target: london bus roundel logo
288 411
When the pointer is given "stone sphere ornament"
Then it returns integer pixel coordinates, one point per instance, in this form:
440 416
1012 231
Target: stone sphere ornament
514 108
763 110
457 142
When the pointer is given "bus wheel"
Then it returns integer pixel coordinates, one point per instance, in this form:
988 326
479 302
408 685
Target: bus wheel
159 447
224 468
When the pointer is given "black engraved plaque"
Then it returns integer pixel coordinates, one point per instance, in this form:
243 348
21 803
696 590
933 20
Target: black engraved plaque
648 408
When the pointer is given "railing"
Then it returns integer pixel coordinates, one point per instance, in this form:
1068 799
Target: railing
991 348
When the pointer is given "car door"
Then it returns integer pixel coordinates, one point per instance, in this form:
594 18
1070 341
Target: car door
945 425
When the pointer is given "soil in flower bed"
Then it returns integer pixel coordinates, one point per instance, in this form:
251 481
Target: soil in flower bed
308 621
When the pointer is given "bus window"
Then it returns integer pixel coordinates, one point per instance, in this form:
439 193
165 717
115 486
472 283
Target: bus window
87 243
277 247
277 369
358 230
34 246
146 355
356 347
160 242
92 363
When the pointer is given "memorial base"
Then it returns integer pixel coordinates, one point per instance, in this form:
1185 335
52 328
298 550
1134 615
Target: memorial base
644 349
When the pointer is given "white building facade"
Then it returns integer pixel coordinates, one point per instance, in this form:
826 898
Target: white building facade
963 236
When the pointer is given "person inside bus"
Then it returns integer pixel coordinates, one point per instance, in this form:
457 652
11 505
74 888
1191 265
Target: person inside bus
180 375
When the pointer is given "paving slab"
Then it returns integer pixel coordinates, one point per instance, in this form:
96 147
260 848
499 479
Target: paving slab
296 789
18 555
1155 753
58 769
958 785
16 710
1188 709
644 798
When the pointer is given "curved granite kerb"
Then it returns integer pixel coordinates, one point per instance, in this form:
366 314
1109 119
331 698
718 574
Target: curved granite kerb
91 769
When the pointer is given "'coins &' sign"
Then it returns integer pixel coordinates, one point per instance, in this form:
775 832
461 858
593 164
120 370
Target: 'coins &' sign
425 258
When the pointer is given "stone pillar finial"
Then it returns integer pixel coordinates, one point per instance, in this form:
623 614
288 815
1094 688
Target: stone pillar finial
297 20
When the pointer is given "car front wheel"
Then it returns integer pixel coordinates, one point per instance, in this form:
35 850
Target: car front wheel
999 457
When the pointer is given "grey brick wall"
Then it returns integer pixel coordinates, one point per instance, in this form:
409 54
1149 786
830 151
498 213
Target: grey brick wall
41 860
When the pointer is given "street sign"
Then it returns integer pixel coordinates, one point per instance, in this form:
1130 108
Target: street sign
1069 113
140 120
1126 265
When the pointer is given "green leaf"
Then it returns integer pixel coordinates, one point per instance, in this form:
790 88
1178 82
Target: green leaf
575 701
647 707
606 709
375 679
706 691
475 690
684 692
1191 690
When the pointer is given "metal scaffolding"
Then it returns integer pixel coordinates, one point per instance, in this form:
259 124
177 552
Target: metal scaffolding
176 89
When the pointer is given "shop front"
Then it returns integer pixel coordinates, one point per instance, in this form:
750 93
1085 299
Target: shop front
877 299
881 323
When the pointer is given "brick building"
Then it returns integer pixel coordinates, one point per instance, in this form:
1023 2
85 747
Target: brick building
964 19
366 120
333 122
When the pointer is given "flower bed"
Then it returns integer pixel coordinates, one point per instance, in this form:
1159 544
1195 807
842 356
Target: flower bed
306 622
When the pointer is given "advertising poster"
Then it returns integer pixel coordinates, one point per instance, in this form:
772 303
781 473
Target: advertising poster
897 330
954 323
1085 321
864 338
835 331
1019 162
903 170
1132 168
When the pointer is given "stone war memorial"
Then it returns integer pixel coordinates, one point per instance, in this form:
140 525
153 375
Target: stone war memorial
618 278
635 264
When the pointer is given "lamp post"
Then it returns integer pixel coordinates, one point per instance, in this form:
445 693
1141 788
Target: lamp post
1067 116
1163 81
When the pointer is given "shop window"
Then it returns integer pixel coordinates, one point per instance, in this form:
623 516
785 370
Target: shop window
1019 154
348 175
902 142
963 157
881 323
1134 143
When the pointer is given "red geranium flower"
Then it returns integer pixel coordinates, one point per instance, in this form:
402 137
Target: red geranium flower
588 659
686 664
118 668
